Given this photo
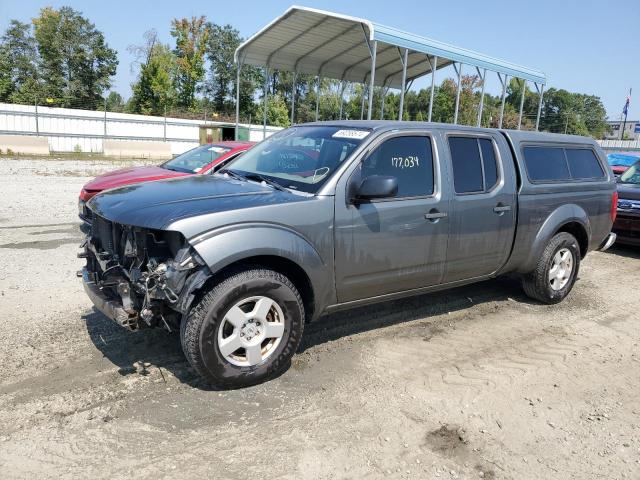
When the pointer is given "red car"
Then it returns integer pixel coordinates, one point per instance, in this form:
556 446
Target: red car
200 160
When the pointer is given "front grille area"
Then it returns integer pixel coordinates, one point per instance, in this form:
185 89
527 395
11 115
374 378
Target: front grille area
102 233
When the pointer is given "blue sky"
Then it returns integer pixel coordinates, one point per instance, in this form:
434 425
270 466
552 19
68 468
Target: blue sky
584 46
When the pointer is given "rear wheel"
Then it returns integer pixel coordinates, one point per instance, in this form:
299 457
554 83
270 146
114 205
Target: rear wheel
556 271
245 329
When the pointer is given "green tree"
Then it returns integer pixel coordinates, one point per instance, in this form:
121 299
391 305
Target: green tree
18 55
221 83
573 113
114 102
75 61
277 111
191 37
6 81
154 91
221 47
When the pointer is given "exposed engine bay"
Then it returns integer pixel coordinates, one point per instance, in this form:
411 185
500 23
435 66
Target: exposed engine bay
144 277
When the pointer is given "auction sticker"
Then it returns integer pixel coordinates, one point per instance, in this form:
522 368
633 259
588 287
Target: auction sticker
354 134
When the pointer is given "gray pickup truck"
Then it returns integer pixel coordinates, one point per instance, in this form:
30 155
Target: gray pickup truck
332 215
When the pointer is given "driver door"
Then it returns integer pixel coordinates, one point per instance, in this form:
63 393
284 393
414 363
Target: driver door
391 245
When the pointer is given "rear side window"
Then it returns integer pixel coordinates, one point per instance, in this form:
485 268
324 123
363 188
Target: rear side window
553 164
409 159
475 168
546 164
583 163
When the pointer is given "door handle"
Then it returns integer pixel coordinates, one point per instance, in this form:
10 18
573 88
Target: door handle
502 208
435 215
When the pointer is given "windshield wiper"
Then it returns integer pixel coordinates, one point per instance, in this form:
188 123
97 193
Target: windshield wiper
260 178
233 174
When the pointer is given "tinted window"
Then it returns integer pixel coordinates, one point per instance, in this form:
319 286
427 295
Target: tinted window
409 159
583 163
546 163
467 164
490 163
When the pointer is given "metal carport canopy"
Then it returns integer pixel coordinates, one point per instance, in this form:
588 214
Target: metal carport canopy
317 42
351 49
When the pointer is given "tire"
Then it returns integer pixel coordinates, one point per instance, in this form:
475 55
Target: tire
538 284
228 317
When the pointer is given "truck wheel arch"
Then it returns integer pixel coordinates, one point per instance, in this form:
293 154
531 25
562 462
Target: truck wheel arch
568 218
277 248
579 231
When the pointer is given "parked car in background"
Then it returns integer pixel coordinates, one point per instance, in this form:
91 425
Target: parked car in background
331 215
627 224
619 162
204 159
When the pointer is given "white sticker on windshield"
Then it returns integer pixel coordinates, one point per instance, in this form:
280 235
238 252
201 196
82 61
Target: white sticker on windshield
354 134
217 149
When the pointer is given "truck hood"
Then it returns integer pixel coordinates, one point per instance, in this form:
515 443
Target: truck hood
628 191
158 204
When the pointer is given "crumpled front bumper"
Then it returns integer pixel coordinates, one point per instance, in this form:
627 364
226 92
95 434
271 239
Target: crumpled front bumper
110 307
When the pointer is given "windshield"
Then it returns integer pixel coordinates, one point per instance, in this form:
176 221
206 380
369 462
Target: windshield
196 159
621 160
300 158
632 175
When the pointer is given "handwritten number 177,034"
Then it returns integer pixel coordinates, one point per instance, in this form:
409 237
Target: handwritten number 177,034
405 162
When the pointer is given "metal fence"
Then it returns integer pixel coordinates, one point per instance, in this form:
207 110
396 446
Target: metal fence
74 130
620 145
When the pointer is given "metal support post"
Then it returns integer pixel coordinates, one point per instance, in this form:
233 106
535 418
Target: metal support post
238 69
524 88
504 95
404 59
481 107
459 73
342 89
374 49
293 96
541 93
319 80
265 103
364 88
434 67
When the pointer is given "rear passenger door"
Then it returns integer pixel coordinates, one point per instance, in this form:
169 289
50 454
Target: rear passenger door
482 221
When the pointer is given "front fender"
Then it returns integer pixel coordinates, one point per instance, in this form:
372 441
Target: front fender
222 247
561 216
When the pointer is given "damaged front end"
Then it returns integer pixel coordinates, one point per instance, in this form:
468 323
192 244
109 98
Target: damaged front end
140 277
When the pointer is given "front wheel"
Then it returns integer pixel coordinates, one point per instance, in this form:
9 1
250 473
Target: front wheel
556 272
245 329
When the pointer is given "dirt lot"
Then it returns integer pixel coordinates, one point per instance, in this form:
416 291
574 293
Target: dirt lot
478 382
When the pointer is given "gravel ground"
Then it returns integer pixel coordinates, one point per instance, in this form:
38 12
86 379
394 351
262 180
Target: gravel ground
477 382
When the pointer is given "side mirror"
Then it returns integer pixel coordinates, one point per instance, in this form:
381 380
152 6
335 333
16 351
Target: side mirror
377 186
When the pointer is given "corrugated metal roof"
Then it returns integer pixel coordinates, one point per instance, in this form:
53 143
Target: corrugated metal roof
331 45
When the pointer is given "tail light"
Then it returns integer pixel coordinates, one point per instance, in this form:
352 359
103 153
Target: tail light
614 206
